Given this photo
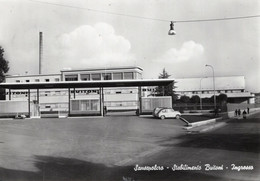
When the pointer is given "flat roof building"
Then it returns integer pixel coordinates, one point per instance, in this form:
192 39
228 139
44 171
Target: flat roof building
232 86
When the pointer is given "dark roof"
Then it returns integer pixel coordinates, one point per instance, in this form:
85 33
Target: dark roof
87 84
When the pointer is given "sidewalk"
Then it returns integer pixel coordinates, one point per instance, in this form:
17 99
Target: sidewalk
212 124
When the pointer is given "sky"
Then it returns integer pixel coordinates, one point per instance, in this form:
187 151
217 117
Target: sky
80 34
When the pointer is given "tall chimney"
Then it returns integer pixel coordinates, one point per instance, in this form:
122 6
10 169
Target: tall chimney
40 53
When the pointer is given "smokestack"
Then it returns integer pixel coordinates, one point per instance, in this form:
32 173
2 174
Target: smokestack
40 53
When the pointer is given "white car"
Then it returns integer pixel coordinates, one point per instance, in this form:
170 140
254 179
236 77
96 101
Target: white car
167 113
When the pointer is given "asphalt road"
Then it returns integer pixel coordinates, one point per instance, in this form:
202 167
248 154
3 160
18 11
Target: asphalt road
110 148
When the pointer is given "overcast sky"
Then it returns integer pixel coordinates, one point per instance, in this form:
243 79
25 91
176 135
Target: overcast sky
82 38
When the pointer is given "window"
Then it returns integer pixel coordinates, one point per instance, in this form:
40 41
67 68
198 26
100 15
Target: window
139 75
75 105
128 75
17 81
47 80
117 76
85 76
71 77
118 92
27 81
37 80
56 79
107 76
96 77
90 105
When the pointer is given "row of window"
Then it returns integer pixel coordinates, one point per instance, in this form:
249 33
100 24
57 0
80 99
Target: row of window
211 92
38 80
100 76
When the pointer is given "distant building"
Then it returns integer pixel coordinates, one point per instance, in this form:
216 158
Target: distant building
232 86
257 98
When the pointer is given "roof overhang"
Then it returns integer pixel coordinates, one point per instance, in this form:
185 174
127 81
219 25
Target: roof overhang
87 84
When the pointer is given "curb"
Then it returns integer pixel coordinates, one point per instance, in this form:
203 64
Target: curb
201 123
215 126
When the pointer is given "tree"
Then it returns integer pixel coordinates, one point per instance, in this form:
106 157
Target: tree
166 90
185 99
195 99
4 67
222 100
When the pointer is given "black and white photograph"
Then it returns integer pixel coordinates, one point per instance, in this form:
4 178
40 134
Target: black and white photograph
129 90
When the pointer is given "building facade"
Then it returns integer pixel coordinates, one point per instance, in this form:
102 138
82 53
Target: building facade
115 99
232 86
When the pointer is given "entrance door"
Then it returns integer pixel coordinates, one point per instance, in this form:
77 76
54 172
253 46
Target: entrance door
35 109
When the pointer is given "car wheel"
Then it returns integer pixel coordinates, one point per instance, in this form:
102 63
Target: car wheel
177 116
162 117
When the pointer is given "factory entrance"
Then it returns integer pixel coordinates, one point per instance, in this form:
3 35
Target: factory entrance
104 101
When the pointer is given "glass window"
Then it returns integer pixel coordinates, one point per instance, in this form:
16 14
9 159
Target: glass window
71 77
27 80
90 105
107 76
37 80
139 75
96 77
57 79
75 105
17 81
47 80
94 104
117 76
128 75
85 76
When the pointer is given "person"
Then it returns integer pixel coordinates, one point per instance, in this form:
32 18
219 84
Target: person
105 110
236 112
248 110
244 114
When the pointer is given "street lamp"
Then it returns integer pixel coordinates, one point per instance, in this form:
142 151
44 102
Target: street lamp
171 31
200 93
213 84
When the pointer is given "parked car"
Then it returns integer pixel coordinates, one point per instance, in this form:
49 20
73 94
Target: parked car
156 110
20 116
166 113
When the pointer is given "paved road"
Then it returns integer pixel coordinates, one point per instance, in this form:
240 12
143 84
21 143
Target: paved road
110 148
236 144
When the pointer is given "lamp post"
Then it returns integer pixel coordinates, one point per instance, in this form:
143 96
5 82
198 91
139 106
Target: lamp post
213 84
200 93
